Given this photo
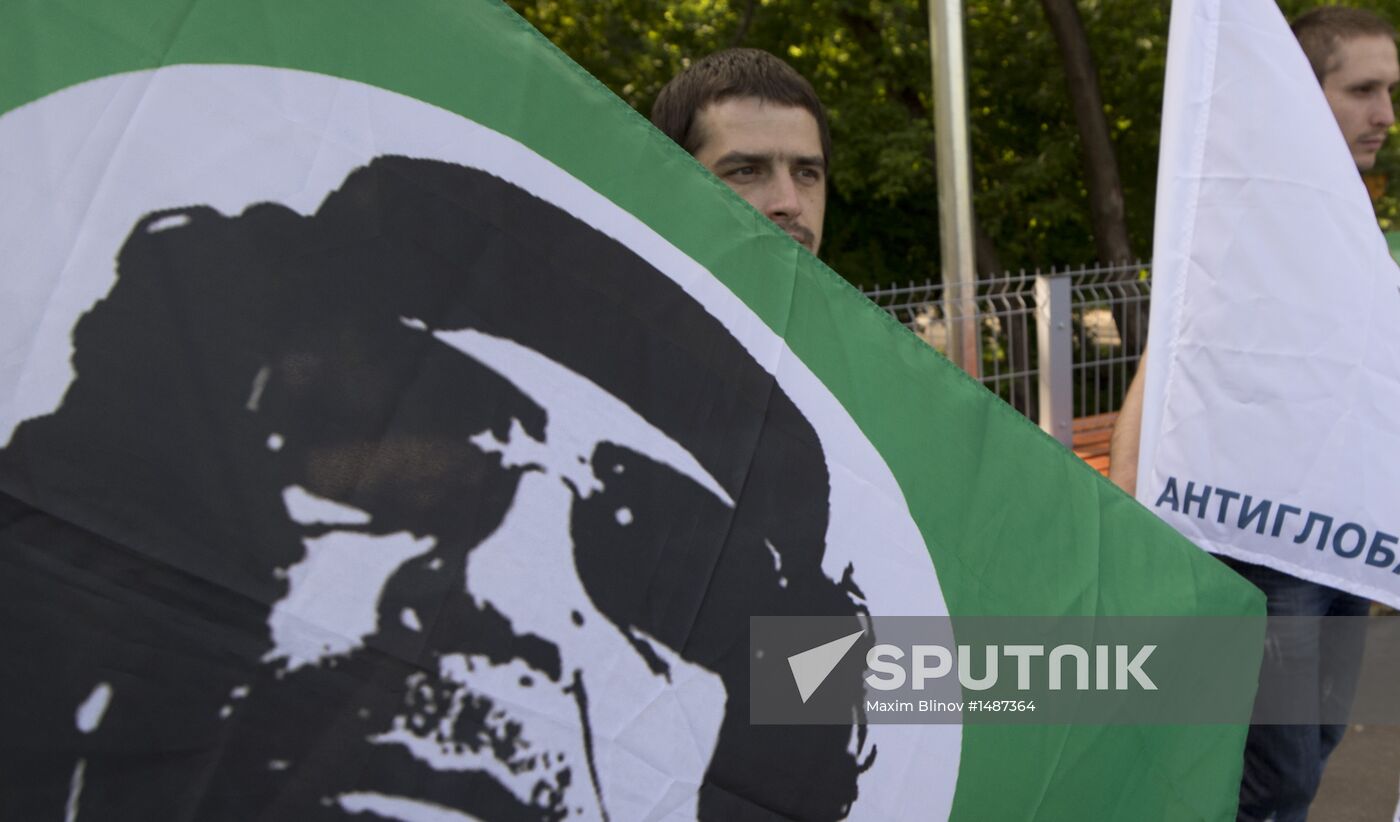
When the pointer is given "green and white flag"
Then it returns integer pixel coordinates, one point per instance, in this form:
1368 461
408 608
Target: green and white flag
394 424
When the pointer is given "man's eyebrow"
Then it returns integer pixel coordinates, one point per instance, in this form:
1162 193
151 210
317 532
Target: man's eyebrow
751 158
744 158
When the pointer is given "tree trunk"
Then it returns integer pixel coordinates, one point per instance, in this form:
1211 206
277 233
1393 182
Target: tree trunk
1100 163
986 259
744 23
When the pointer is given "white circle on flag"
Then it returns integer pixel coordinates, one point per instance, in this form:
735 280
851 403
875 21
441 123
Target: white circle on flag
82 166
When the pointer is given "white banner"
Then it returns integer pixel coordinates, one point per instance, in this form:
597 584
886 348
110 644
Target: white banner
1271 423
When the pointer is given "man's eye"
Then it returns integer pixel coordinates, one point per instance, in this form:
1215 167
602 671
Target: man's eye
743 171
810 175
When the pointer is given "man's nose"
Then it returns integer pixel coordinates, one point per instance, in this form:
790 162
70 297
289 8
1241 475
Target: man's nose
783 200
1383 114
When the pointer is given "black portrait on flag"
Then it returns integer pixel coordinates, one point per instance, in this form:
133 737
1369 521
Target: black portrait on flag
437 500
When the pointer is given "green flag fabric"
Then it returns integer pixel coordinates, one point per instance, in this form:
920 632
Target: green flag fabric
393 424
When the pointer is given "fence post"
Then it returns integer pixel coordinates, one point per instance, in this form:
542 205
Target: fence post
1052 333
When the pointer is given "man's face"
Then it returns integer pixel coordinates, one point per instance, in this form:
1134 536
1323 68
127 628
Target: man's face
1361 76
771 155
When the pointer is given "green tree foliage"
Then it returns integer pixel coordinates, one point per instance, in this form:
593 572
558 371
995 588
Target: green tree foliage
869 61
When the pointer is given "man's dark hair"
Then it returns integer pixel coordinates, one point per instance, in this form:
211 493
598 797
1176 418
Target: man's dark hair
1321 30
729 74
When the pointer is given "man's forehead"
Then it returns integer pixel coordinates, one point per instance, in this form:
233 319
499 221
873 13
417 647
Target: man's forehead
1372 55
757 126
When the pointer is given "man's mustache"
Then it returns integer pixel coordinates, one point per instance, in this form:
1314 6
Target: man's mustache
800 233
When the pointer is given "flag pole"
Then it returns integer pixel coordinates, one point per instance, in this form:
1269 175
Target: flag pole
954 182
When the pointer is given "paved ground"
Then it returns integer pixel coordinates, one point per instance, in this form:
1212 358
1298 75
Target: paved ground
1362 778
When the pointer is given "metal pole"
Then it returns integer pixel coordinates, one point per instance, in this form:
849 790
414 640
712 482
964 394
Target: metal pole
954 181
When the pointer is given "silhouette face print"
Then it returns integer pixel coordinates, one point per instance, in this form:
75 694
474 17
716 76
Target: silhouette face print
456 504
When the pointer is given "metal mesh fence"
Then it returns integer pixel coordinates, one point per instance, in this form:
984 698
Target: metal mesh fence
1106 315
1109 316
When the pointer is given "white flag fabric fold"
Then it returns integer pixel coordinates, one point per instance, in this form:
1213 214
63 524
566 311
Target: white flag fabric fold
1271 424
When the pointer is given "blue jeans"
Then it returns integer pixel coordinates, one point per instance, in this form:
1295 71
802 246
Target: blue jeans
1283 763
